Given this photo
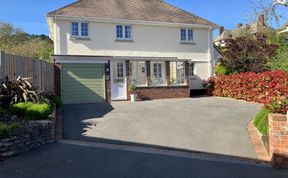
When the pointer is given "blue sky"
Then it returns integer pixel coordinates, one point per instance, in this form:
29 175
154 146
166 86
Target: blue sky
30 14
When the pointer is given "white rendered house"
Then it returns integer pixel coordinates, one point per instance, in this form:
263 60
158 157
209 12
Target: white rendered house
101 46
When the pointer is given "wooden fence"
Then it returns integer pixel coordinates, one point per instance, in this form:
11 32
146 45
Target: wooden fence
39 72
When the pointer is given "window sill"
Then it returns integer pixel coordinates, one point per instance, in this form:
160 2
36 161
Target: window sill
124 40
187 43
178 85
158 85
139 86
80 38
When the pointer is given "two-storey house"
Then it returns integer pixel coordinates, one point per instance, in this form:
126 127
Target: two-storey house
101 46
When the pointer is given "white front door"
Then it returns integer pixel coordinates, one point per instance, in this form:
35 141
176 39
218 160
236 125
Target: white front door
118 80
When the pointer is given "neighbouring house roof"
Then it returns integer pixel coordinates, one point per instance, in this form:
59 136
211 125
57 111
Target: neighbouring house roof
224 36
144 10
244 30
241 31
283 27
258 28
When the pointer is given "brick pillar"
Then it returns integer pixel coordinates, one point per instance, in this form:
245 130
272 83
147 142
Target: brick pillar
57 79
278 140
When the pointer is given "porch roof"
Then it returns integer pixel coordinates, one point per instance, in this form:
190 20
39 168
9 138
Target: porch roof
105 59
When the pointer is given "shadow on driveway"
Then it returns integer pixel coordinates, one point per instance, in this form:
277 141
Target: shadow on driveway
75 115
206 125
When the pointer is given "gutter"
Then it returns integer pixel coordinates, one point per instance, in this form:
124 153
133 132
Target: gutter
137 22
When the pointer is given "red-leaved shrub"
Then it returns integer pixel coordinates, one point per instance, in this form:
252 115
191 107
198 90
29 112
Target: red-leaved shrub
265 87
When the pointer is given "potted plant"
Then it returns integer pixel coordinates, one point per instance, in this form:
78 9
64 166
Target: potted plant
132 91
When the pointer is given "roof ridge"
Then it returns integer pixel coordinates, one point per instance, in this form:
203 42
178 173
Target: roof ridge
146 10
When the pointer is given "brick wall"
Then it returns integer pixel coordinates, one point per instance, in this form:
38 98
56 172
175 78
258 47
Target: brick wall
278 140
147 93
57 78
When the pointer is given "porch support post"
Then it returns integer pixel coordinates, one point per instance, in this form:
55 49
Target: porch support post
168 72
148 63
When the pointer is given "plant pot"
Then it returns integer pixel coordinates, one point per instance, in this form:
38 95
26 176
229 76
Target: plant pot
133 97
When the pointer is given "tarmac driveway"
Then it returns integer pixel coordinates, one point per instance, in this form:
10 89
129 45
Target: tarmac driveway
207 124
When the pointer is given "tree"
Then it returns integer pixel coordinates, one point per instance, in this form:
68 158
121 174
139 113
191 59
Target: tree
245 54
16 41
280 60
269 8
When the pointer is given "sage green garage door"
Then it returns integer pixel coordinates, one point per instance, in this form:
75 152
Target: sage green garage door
82 83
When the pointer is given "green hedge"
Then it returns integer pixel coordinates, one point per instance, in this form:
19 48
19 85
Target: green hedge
7 130
31 111
261 121
57 101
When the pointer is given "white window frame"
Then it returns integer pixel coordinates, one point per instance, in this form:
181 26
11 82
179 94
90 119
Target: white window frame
80 30
145 72
164 73
192 77
184 70
117 78
123 38
187 40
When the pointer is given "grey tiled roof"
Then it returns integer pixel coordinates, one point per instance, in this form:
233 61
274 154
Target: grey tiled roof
144 10
244 30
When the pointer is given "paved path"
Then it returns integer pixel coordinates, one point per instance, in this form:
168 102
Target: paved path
209 124
72 161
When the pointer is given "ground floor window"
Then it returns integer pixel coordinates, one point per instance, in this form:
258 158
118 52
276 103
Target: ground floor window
192 70
177 73
138 74
158 73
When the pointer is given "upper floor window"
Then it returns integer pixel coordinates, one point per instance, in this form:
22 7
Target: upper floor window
186 35
80 29
124 32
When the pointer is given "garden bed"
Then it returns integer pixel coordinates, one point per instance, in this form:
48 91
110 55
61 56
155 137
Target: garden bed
27 136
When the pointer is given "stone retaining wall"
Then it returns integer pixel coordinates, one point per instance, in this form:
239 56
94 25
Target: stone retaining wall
29 136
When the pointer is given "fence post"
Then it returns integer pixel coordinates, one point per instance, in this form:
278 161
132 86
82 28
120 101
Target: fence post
2 65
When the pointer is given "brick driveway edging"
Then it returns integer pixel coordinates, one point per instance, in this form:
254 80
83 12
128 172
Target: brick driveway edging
262 152
277 152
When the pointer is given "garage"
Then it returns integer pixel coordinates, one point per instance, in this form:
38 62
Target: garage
82 83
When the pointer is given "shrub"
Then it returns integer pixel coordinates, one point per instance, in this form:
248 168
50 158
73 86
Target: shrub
20 108
253 87
247 54
261 121
19 90
32 111
7 130
132 88
209 85
38 111
279 106
57 101
220 70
